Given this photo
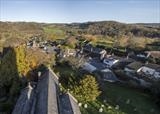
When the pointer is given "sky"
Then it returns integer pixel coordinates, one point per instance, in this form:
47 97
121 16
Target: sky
69 11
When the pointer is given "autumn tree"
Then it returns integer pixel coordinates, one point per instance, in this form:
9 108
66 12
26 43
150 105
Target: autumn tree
87 90
74 62
29 59
71 42
22 64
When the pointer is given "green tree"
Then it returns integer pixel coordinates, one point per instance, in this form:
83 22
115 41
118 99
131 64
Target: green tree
8 68
87 90
9 80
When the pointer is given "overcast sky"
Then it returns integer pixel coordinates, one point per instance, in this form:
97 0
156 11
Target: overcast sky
67 11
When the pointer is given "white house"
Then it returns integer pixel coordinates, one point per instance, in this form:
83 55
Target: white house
69 52
152 70
110 61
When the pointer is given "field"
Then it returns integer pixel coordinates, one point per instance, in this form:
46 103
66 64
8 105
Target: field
54 33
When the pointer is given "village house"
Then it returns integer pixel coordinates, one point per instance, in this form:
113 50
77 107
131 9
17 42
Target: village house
93 64
145 74
108 75
132 71
69 52
122 63
150 70
133 68
89 67
94 51
141 57
110 61
29 44
50 49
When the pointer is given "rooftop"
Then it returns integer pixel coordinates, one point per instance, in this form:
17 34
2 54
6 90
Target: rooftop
45 98
135 65
153 66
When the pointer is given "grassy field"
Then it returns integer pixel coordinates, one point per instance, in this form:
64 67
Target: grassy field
130 101
54 33
107 43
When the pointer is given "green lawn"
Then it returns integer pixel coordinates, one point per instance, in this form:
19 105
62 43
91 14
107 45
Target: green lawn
54 32
107 43
130 101
93 108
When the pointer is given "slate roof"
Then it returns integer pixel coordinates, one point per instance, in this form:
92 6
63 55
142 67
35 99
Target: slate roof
92 49
153 66
52 95
45 98
23 104
108 75
65 106
98 65
134 65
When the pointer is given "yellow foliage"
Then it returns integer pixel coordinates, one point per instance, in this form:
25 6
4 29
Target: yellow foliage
71 42
25 62
90 38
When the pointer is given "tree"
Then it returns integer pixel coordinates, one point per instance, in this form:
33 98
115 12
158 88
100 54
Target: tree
29 59
71 42
87 89
22 64
9 80
74 62
8 68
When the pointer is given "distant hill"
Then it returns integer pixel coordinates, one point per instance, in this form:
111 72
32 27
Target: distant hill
112 29
150 25
104 28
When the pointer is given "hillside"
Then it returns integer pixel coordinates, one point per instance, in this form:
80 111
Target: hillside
150 25
105 29
116 29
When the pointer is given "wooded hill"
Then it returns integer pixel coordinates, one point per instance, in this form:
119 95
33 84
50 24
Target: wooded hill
116 29
105 29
